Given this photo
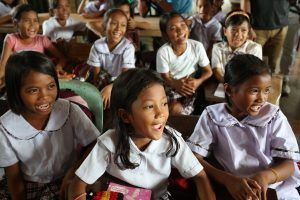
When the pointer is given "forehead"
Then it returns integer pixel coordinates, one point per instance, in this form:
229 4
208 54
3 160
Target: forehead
262 80
34 77
29 14
175 20
152 91
63 2
118 16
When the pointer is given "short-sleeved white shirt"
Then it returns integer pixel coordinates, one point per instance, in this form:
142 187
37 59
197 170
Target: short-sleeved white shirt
222 53
54 30
122 56
45 155
154 165
4 9
245 147
91 8
180 66
206 33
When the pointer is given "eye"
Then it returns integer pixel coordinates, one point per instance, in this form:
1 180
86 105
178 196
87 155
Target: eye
147 107
253 90
32 90
52 86
164 104
267 91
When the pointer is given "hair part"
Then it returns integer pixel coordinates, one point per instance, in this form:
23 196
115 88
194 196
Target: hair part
108 14
125 91
20 9
16 70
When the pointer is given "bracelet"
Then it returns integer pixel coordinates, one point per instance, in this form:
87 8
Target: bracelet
275 173
79 196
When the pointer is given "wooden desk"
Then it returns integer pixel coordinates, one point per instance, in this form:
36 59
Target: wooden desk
154 31
274 97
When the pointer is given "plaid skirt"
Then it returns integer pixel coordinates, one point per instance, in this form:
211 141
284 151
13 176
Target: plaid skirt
186 102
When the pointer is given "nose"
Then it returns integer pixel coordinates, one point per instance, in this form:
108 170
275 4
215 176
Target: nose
43 94
262 96
159 112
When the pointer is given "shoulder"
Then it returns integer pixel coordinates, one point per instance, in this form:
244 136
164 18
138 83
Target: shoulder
196 46
100 46
219 115
109 139
125 44
220 45
50 21
164 48
252 45
59 114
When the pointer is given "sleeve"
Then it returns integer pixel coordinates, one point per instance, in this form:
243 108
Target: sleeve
93 59
95 164
85 130
203 60
185 161
216 57
202 139
7 155
47 29
10 40
129 57
162 61
46 42
257 51
283 140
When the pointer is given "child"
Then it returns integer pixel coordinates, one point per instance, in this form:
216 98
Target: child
204 27
178 60
237 25
39 134
250 138
6 7
111 55
61 26
27 38
92 9
140 150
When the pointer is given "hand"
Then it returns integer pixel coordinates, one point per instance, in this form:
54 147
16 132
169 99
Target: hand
131 23
105 93
193 83
242 188
183 87
263 183
63 74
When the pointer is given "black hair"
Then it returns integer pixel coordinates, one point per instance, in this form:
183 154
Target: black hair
18 67
216 4
243 67
125 91
53 4
164 20
118 3
236 17
20 9
108 15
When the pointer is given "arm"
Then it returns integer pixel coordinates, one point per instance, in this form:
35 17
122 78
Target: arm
81 6
94 15
96 28
179 85
15 182
77 188
6 52
219 74
138 24
143 8
246 6
203 185
5 18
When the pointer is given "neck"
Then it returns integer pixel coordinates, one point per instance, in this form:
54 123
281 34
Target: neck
36 121
61 22
179 49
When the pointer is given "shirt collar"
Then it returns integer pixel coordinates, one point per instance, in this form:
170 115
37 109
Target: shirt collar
102 46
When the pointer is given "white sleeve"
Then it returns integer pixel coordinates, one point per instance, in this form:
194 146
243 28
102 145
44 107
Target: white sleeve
202 139
129 57
47 29
216 57
185 161
84 130
162 61
7 155
94 56
283 141
203 60
95 164
257 51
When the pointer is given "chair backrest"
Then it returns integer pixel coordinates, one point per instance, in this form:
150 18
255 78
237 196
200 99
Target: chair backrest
185 124
90 94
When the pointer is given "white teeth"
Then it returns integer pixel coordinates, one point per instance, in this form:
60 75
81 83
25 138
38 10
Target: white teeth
43 106
255 108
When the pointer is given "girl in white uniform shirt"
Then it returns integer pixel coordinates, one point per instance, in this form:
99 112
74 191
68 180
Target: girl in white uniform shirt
237 25
140 150
250 138
40 133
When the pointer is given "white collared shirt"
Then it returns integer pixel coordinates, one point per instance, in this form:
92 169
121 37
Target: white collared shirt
245 147
45 155
122 56
222 52
154 166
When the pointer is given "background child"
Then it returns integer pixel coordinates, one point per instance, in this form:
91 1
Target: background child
236 30
61 26
6 7
250 138
27 38
204 27
112 54
178 60
140 150
39 134
92 9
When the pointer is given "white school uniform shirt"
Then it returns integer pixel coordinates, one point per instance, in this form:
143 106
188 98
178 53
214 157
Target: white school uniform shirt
54 30
206 33
91 8
4 9
184 65
248 146
122 56
45 155
154 165
222 52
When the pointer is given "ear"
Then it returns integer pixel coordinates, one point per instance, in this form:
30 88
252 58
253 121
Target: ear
124 115
227 89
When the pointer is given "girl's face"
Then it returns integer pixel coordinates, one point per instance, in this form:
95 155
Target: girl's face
126 9
205 10
249 97
63 10
149 114
28 25
116 28
38 93
177 31
237 35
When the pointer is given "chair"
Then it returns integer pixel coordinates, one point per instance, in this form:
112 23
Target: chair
90 94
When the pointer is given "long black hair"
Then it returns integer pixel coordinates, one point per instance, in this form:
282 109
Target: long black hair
125 91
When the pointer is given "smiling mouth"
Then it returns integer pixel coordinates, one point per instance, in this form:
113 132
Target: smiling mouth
158 127
255 108
43 107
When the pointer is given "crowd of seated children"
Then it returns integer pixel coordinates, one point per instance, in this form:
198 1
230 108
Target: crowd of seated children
250 138
236 30
205 28
40 133
27 38
141 149
61 26
178 60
